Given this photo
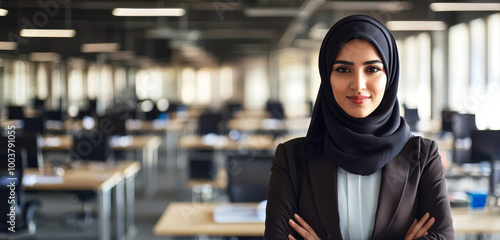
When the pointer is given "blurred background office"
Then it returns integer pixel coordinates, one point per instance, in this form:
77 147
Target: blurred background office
224 79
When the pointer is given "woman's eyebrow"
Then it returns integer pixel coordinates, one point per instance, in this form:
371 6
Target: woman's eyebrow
352 63
343 62
372 62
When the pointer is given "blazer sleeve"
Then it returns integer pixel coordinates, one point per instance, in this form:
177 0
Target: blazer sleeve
281 200
433 195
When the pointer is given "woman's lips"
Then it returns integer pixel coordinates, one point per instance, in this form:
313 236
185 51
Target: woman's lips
358 99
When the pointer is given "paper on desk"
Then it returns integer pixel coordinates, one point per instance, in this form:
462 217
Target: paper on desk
234 213
32 179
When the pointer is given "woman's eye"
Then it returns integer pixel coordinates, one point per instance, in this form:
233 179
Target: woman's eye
373 69
342 69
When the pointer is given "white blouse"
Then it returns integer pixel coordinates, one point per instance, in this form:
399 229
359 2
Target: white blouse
358 200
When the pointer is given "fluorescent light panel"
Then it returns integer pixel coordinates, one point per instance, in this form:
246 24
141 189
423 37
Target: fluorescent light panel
8 46
59 33
148 12
466 7
387 6
100 47
271 12
44 57
3 12
416 25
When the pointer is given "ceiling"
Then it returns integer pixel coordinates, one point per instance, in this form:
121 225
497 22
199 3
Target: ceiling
210 31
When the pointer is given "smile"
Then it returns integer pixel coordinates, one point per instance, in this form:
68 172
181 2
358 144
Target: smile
358 99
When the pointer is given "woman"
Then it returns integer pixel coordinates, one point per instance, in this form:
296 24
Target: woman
359 173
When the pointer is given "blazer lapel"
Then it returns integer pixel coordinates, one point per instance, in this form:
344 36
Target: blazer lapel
323 176
392 188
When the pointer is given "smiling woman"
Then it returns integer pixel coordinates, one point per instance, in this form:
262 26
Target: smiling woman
358 78
358 173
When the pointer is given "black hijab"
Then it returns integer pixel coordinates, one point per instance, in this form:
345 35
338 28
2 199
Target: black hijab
358 145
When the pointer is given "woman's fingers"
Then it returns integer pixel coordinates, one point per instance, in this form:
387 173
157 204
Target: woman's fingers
290 237
302 228
420 228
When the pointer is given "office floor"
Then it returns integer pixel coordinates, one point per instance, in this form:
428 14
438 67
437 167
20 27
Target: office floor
148 210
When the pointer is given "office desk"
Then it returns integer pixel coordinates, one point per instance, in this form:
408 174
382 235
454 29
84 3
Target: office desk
147 144
99 179
192 219
465 221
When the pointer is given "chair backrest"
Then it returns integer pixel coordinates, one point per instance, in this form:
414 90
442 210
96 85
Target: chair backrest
32 143
11 178
248 177
91 145
112 125
276 109
15 112
463 124
34 125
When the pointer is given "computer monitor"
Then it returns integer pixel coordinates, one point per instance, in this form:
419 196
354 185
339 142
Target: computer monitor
34 125
485 145
112 125
32 144
447 120
276 109
495 178
462 126
209 122
55 115
91 145
15 112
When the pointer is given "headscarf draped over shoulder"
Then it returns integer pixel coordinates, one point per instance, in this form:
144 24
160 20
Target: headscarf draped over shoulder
358 145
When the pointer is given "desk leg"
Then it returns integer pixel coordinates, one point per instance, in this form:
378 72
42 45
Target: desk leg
152 170
131 230
120 210
104 212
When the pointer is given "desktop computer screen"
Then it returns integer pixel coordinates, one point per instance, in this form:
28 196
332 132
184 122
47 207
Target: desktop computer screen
486 148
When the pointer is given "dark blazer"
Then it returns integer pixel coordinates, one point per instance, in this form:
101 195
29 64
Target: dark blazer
412 184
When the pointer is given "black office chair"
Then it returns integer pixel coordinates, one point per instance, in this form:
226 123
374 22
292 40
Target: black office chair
22 219
462 126
276 109
94 146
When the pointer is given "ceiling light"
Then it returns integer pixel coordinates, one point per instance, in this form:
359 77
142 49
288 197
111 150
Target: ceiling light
44 57
469 7
271 12
100 47
148 12
60 33
8 46
3 12
387 6
416 25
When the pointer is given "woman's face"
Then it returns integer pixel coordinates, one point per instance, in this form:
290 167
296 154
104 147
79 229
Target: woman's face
358 78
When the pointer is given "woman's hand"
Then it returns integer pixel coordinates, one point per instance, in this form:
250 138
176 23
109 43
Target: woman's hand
419 228
302 228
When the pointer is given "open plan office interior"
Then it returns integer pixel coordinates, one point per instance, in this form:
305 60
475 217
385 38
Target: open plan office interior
160 119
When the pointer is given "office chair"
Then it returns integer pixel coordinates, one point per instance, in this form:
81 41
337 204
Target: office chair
462 127
34 125
276 109
94 146
25 211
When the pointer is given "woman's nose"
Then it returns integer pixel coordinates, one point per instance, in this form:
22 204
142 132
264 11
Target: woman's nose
358 81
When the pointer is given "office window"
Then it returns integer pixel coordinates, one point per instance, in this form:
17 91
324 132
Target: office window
120 82
75 86
292 83
315 78
204 80
21 79
226 82
486 97
149 84
256 84
92 81
42 81
188 86
458 67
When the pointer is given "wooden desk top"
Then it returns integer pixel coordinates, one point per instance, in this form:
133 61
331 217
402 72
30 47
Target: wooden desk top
255 142
192 219
467 221
189 219
88 176
65 142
